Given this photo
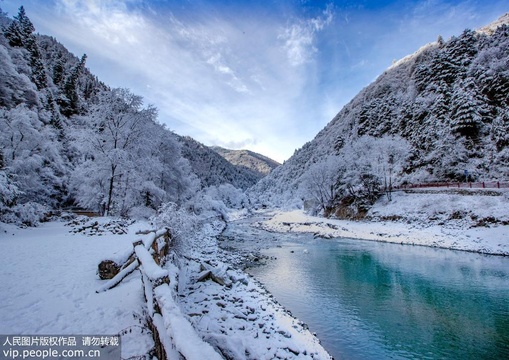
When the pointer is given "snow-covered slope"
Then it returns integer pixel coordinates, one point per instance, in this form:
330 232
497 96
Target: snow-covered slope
47 288
449 100
259 164
213 169
55 152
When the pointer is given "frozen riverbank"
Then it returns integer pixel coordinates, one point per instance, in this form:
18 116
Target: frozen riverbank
477 222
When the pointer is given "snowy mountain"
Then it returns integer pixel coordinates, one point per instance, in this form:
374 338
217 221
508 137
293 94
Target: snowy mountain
213 169
258 163
68 140
447 105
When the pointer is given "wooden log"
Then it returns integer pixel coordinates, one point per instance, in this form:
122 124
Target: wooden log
119 277
151 269
144 232
185 338
115 273
108 269
217 274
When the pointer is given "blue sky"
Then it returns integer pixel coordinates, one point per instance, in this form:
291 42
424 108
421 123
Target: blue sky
260 75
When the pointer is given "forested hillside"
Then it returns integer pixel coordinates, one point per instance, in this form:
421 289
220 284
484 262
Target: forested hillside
259 164
438 114
68 140
212 168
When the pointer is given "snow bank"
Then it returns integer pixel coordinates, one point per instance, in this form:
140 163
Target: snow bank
49 284
235 314
461 222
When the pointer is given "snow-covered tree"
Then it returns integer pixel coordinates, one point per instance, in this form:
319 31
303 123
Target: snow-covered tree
175 175
183 224
373 164
8 194
20 34
70 98
20 30
449 101
31 155
15 87
319 183
115 140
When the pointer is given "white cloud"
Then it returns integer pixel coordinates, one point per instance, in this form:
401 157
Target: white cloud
256 78
299 37
222 80
106 19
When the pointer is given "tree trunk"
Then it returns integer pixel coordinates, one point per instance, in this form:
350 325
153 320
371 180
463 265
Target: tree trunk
110 190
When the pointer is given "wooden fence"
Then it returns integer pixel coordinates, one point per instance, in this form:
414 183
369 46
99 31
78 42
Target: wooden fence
457 185
173 334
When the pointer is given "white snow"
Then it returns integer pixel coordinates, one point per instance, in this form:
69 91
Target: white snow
49 284
445 220
49 278
410 57
49 281
240 318
186 340
490 28
153 271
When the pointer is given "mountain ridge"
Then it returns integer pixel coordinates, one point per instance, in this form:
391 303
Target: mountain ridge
260 164
448 100
67 139
212 168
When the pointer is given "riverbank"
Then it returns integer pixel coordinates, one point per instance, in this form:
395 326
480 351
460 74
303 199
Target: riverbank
233 312
50 280
471 221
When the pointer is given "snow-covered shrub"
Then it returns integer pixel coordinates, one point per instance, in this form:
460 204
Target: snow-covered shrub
349 184
319 184
8 193
183 225
206 206
141 212
218 201
28 214
232 197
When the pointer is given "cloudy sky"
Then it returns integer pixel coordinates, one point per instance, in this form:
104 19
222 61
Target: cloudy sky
262 75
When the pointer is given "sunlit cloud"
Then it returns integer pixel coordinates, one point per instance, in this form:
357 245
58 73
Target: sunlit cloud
299 36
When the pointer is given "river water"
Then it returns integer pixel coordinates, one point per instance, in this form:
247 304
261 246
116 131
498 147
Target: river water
372 300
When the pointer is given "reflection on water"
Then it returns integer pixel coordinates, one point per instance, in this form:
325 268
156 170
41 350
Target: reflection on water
368 300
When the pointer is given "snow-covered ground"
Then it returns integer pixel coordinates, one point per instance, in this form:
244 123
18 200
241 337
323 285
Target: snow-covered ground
49 281
239 317
48 274
467 220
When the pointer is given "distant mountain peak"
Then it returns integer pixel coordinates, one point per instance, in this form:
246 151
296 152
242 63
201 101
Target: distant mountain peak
258 163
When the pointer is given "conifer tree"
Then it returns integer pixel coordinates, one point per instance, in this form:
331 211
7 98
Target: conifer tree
465 117
500 131
38 70
70 102
58 71
13 34
20 34
20 29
